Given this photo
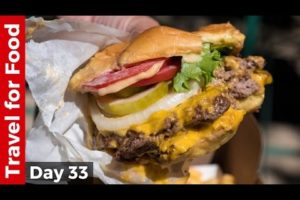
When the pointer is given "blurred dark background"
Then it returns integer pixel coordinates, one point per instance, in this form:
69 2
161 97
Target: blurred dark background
277 38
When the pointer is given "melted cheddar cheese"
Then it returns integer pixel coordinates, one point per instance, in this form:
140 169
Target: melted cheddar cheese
203 140
183 112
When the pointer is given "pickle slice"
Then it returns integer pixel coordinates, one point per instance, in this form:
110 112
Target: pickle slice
135 103
129 91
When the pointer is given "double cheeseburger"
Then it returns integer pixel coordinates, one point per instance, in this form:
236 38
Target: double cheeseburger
169 95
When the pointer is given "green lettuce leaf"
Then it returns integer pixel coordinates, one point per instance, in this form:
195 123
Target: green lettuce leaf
201 71
224 49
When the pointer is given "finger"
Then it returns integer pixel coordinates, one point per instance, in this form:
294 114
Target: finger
131 24
138 24
77 18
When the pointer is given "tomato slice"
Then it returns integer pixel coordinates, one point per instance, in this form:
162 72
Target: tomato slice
115 76
167 72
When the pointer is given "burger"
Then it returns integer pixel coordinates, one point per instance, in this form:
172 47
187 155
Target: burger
168 95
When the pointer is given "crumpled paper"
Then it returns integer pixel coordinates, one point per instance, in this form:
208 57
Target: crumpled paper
54 50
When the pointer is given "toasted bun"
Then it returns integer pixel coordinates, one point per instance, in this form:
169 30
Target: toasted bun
222 34
160 41
101 62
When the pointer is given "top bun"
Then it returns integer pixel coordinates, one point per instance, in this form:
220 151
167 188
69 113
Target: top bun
160 41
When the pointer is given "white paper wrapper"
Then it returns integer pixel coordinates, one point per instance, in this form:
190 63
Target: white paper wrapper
58 132
58 49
